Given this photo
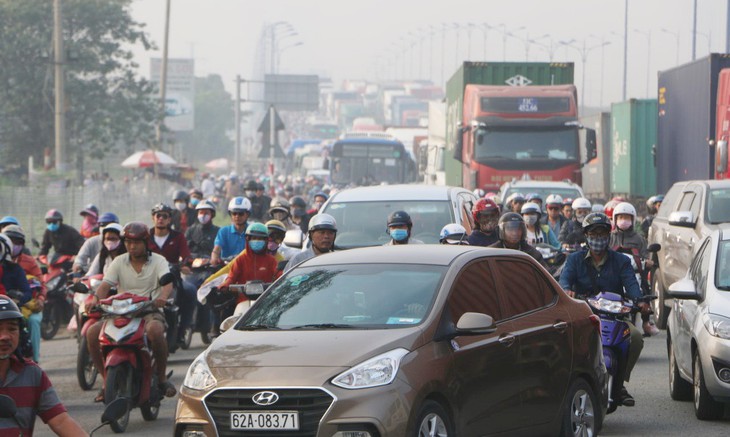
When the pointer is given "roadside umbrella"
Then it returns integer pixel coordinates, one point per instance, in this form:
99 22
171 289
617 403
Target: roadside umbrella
148 158
217 164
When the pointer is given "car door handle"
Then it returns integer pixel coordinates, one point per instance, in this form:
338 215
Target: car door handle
508 340
561 326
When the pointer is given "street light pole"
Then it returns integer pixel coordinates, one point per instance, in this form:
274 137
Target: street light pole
694 30
584 59
676 37
647 34
59 58
626 46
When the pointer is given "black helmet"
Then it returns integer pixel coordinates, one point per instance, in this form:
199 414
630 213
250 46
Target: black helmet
8 309
251 185
180 195
161 207
397 218
136 231
195 192
511 219
298 202
596 220
260 186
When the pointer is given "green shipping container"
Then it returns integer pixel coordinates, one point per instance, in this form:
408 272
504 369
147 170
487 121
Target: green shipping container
633 137
492 73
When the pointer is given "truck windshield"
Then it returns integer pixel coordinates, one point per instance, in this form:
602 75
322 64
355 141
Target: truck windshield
718 206
514 144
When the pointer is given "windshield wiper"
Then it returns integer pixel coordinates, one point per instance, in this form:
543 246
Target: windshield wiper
324 326
256 327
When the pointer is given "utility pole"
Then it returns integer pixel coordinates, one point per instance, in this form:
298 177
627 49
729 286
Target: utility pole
626 47
163 79
237 108
59 61
694 30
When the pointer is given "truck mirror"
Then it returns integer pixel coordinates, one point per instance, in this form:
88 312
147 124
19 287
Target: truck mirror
721 156
479 136
591 149
458 144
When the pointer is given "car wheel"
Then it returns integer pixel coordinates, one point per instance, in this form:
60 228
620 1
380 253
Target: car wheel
706 408
661 312
581 416
679 389
433 421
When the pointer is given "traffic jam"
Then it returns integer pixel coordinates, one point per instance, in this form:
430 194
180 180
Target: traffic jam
468 241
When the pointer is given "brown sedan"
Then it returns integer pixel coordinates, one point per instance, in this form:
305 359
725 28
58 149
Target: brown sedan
423 340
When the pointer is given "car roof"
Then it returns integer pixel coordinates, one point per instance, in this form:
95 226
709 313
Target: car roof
395 192
547 184
715 183
433 254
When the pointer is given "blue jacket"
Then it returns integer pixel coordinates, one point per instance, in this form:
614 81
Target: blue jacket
479 238
616 275
14 279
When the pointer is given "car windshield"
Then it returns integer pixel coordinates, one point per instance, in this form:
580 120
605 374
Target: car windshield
722 270
349 296
361 224
718 206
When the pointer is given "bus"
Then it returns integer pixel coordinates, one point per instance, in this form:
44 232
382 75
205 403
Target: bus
370 161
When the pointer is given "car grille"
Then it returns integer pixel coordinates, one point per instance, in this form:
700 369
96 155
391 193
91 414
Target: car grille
310 403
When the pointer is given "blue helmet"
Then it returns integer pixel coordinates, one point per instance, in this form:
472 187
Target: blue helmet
108 217
9 220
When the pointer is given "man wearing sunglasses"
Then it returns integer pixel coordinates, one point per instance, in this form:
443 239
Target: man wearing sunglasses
554 219
64 239
231 239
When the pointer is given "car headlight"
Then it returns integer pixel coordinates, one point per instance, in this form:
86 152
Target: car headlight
717 326
380 370
199 376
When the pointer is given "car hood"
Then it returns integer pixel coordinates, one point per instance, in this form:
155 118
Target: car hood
325 348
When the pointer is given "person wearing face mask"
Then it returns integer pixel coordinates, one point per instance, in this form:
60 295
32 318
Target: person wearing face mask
512 234
597 269
280 210
91 246
258 207
486 217
322 234
201 235
299 215
554 219
319 199
255 263
399 228
90 225
276 246
537 233
514 203
182 215
111 248
29 265
571 234
64 239
231 239
652 206
567 210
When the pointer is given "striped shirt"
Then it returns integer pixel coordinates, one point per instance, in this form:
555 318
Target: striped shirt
33 394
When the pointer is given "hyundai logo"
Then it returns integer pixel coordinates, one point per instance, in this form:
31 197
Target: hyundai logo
265 398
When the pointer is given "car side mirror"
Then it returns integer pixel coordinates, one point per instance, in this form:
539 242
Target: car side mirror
683 289
294 238
684 219
167 278
475 324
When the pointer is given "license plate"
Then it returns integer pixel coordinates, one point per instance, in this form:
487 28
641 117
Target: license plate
265 420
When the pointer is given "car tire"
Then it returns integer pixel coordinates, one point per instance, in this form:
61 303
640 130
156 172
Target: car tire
661 312
433 420
581 414
706 408
679 389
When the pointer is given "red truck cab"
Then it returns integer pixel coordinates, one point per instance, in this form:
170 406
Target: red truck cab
722 125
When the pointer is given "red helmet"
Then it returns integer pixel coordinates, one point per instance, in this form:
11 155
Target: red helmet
608 207
136 231
487 205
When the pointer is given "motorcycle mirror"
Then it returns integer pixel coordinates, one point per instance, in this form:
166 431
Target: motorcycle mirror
167 278
79 287
115 410
8 408
656 247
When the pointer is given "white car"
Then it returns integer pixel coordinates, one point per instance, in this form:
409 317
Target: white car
698 336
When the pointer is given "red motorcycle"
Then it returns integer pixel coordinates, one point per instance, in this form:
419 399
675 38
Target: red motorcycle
85 315
129 364
59 298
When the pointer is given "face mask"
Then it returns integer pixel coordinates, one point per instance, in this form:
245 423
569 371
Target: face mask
194 201
17 248
53 227
180 206
257 245
273 246
204 218
623 224
249 194
399 234
530 219
111 245
597 244
317 205
580 216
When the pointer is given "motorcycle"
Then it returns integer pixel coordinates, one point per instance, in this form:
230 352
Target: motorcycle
224 303
85 315
128 361
59 298
554 258
201 270
615 313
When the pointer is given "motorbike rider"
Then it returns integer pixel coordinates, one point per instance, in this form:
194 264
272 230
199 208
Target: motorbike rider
318 200
201 235
111 248
231 239
90 225
554 219
652 206
534 198
299 215
16 234
599 268
92 246
276 246
207 186
138 271
453 233
514 203
280 210
567 210
512 234
322 233
64 239
626 240
8 220
398 227
486 217
26 383
571 234
258 207
536 232
183 216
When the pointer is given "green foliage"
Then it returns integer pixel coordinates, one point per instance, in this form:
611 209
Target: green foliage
108 105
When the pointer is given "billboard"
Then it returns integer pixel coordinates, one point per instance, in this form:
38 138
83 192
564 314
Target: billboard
292 92
179 93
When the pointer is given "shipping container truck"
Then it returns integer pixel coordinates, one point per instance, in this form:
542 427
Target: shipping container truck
687 122
432 153
596 173
525 124
633 139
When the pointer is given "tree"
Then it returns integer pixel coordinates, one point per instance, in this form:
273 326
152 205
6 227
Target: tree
108 106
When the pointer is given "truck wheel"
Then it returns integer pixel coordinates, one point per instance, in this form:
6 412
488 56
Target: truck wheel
661 312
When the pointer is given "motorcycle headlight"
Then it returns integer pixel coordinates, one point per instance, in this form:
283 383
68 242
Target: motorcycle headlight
717 326
609 306
377 371
199 376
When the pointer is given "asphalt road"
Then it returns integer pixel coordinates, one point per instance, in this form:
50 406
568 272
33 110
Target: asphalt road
654 414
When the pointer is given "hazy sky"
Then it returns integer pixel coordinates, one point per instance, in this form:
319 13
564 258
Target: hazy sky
366 39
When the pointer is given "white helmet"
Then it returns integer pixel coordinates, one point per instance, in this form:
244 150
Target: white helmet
6 248
453 233
479 193
554 199
322 221
239 204
581 202
625 208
